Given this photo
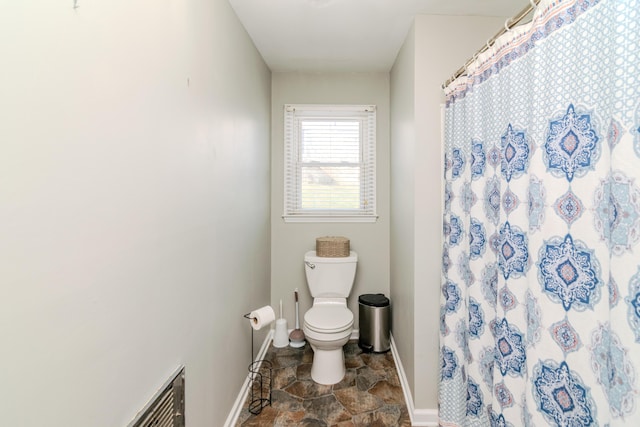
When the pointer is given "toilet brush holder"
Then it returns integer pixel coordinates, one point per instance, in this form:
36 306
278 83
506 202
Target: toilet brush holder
281 335
296 337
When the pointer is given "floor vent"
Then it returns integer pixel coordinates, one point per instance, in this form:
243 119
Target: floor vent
166 409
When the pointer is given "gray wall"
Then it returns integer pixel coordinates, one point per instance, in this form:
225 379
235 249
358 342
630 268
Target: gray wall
416 154
290 241
134 207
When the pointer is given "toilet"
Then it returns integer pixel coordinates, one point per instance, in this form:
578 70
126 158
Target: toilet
328 323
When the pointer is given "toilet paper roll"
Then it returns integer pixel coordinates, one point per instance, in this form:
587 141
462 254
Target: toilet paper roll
261 317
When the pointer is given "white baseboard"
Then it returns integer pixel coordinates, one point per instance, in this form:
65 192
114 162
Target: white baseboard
419 417
234 414
425 417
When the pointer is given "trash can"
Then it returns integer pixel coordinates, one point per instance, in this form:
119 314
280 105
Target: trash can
374 316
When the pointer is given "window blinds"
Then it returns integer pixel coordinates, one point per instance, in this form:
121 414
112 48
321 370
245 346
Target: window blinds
330 162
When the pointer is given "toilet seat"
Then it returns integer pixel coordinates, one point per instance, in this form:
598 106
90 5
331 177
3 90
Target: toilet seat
328 318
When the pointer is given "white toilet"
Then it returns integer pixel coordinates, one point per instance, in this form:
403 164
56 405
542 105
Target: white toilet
328 323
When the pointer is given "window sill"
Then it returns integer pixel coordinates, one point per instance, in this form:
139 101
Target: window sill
330 218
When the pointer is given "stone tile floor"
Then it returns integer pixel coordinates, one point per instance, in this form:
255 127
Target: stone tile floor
369 395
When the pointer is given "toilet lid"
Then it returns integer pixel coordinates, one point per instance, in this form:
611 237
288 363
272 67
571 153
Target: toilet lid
328 318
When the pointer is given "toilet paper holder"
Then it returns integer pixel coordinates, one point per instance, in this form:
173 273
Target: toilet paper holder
260 379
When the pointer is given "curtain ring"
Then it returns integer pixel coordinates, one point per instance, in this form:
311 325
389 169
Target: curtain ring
488 45
506 25
469 63
533 4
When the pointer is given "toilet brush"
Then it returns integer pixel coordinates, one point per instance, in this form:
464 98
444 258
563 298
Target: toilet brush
296 337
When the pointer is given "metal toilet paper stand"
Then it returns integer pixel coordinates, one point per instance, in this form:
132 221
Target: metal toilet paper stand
260 380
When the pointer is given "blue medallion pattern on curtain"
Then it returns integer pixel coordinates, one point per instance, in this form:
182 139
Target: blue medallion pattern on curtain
540 298
571 148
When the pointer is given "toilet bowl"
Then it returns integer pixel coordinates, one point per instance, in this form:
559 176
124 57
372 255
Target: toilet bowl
327 326
328 323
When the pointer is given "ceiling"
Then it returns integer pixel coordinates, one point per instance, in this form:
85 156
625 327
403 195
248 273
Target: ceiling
346 35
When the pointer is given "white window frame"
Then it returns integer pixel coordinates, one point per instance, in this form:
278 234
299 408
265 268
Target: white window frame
293 115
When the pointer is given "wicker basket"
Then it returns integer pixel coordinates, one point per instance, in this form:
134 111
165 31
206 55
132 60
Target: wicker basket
332 246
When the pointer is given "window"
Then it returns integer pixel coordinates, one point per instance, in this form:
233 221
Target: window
330 172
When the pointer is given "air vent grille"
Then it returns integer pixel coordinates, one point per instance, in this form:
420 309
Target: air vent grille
166 409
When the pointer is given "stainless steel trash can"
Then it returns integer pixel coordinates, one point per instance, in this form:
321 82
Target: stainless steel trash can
375 320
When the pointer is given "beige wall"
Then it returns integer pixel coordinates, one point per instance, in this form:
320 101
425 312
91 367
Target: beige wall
290 241
134 207
403 142
438 52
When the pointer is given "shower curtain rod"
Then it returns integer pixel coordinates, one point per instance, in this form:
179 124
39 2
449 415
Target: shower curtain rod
509 23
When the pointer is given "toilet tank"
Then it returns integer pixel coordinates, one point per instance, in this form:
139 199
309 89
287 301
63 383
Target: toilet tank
330 277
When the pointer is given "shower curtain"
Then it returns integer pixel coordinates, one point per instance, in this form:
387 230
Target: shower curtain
540 298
